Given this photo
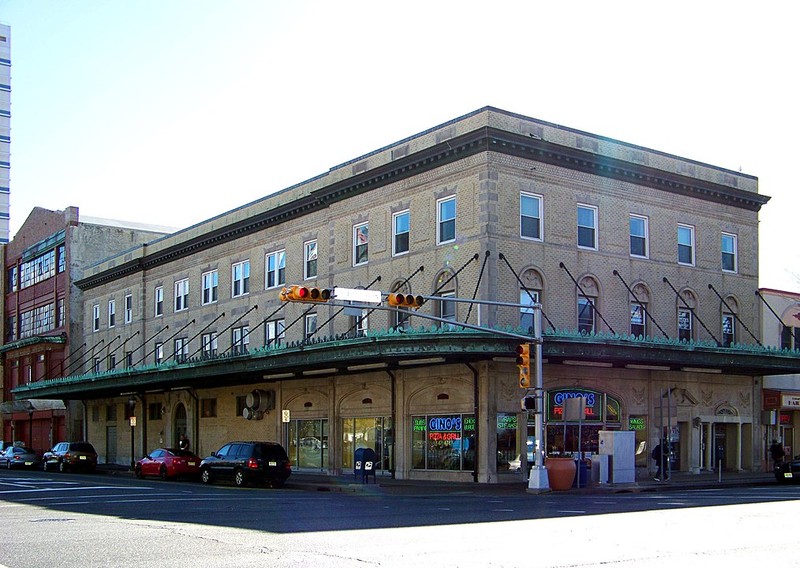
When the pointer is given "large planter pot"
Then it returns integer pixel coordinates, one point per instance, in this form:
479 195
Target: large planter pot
560 472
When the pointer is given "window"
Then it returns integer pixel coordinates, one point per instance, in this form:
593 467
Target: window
443 442
275 332
686 245
790 337
154 411
400 233
182 295
241 279
310 260
61 312
586 318
447 310
208 407
729 255
112 362
310 325
276 269
128 308
210 284
159 301
181 349
527 297
12 279
639 236
96 317
360 323
209 344
62 258
111 413
638 319
128 359
446 220
728 330
95 367
112 313
685 324
240 340
530 216
360 244
158 353
587 227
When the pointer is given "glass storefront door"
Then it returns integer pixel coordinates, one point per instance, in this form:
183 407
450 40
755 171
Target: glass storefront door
308 444
371 432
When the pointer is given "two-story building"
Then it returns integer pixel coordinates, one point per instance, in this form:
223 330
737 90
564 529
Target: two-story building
645 265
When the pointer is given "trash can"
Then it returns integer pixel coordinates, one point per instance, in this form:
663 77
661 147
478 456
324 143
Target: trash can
364 464
582 474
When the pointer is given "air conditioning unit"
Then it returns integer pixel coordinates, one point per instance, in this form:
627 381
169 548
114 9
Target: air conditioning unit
250 414
261 400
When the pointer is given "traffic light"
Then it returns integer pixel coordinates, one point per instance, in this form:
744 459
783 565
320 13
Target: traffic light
303 294
405 301
524 364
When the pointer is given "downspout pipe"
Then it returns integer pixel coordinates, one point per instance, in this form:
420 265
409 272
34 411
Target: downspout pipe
475 407
393 389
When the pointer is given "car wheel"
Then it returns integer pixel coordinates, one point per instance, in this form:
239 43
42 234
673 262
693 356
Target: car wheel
162 473
62 467
44 465
137 471
205 476
239 480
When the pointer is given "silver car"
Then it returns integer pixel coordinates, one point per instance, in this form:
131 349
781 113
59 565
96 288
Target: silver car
19 456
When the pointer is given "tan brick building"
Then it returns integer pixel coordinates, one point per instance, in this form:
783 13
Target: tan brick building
645 265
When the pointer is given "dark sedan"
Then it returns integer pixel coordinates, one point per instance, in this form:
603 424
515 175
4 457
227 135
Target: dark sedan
19 456
168 463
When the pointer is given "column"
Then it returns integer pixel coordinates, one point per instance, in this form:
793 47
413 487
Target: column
709 445
739 446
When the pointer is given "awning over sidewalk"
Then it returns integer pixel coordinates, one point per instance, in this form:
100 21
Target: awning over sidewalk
30 406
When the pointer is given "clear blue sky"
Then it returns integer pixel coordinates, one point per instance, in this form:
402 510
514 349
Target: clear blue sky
174 111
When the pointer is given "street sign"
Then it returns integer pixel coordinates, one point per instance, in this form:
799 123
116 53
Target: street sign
286 416
357 295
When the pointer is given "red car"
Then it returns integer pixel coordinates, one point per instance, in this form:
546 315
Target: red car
168 463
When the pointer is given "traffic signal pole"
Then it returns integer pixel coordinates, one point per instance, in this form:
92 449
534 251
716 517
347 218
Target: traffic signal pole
537 480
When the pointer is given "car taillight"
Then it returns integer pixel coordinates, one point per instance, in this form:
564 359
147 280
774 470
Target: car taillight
66 456
252 463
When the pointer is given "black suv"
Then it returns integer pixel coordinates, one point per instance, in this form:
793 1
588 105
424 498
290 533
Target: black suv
70 455
243 462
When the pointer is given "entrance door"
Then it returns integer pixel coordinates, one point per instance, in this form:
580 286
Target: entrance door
111 444
308 444
179 424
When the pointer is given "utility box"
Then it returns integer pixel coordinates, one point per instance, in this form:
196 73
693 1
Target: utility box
620 447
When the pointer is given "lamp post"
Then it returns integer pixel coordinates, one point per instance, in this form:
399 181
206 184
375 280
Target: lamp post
132 406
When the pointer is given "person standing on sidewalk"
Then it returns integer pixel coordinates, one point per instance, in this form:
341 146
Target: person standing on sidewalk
777 453
659 454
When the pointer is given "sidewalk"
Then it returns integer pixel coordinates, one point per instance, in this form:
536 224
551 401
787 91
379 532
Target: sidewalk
385 484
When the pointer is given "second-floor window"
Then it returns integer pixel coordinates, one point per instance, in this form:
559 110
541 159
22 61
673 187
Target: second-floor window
276 269
587 227
447 311
181 349
112 313
209 344
729 255
686 245
310 325
158 353
400 232
240 340
530 216
586 314
638 319
182 295
728 330
790 337
527 297
275 332
685 324
310 260
240 273
210 283
360 244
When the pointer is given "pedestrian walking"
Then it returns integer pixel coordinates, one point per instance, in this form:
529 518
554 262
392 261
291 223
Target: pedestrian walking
777 453
659 454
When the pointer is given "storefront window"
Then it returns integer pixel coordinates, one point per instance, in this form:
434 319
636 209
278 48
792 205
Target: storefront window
601 412
373 432
508 452
444 442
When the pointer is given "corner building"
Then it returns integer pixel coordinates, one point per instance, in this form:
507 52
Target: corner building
645 265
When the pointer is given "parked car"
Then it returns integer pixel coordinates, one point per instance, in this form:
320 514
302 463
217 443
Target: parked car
243 462
168 463
70 455
19 456
788 471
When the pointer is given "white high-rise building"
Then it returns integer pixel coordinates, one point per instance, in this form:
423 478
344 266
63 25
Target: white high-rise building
5 129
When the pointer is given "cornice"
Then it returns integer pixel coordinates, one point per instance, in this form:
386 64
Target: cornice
485 139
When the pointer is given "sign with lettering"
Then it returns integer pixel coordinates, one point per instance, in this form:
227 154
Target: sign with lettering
790 401
636 423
